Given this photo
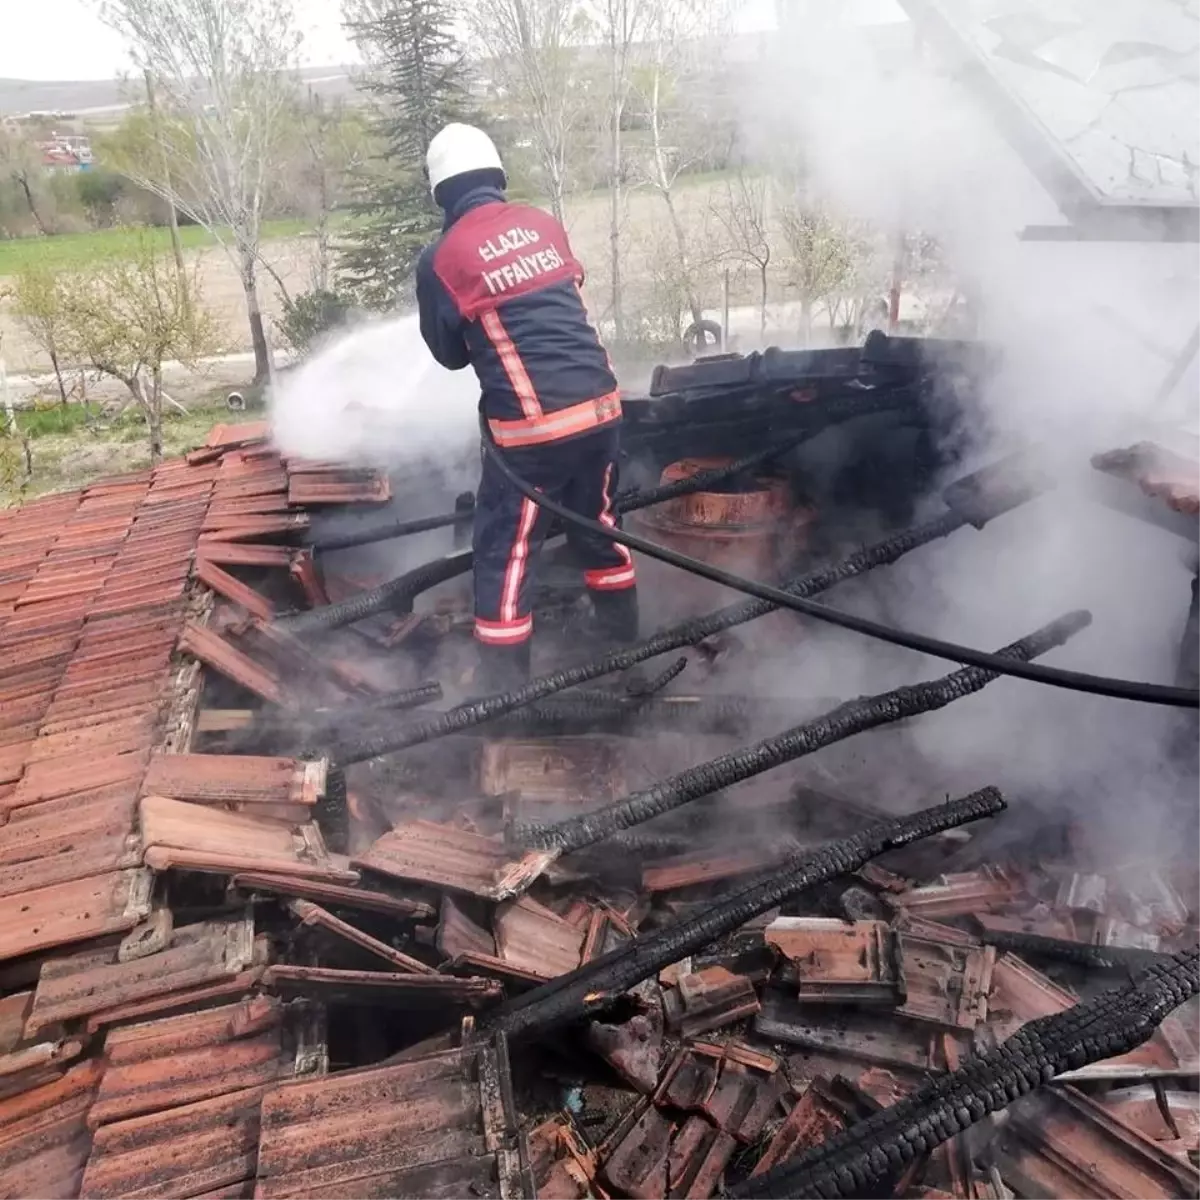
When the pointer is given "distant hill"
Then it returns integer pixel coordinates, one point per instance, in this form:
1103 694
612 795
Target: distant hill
91 97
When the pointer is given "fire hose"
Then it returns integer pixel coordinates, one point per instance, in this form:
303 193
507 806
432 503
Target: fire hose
831 412
476 712
1097 685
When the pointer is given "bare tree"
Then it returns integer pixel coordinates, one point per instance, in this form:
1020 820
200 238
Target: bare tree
621 26
37 303
222 73
743 213
531 47
820 252
127 317
676 32
20 161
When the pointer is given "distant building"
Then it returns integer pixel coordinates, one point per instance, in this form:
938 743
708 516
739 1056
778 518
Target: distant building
66 152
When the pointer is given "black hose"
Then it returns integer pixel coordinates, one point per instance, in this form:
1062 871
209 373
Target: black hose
841 408
856 716
598 984
1098 685
858 1160
475 712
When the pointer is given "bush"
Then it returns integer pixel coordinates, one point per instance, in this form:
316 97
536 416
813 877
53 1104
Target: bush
311 315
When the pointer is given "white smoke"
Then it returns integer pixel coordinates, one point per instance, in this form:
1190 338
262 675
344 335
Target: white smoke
374 396
1087 331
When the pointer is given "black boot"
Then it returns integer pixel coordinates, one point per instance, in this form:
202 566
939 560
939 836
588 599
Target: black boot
502 668
616 616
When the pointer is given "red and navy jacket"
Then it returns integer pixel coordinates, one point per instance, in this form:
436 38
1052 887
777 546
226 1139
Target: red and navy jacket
499 291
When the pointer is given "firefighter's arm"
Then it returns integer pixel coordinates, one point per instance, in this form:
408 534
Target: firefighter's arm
442 326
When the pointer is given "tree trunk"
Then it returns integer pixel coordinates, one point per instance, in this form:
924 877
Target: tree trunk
614 228
151 406
806 315
258 333
172 217
762 303
62 387
557 196
664 187
23 180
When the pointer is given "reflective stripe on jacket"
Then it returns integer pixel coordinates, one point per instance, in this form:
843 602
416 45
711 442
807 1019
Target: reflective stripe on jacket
499 290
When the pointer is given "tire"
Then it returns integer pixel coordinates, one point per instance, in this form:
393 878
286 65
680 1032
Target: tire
701 336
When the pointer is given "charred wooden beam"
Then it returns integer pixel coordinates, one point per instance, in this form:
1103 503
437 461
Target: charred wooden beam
858 1160
1081 954
845 721
475 712
597 984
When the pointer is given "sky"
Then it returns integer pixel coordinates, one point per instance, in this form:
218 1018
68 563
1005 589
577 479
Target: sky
65 39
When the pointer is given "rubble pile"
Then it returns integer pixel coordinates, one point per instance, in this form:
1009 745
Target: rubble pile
248 948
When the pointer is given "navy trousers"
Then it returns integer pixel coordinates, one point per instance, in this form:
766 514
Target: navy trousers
509 530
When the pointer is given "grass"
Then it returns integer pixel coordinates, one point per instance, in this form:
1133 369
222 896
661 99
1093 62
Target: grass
74 250
73 445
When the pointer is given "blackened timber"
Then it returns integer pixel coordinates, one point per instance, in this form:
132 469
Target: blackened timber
475 712
878 1148
597 984
1081 954
857 716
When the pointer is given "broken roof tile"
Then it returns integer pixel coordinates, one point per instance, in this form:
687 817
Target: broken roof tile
384 988
945 982
1059 1142
840 962
708 999
197 837
314 915
455 859
534 938
215 652
234 590
235 779
93 981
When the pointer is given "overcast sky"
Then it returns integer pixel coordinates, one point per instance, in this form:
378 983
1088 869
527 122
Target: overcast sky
64 39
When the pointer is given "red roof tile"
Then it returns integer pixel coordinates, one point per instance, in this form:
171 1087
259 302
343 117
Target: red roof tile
1158 472
92 981
425 1127
179 1060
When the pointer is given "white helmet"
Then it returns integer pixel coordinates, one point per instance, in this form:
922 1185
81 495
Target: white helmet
457 149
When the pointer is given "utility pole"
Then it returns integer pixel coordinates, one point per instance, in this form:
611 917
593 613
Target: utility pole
172 221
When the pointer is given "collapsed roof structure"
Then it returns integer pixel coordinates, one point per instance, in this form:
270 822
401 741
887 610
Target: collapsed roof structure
274 927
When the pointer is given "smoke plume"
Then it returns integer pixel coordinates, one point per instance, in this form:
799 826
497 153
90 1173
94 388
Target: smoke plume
1087 331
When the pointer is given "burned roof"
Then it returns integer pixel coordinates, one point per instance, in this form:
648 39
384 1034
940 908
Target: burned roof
237 961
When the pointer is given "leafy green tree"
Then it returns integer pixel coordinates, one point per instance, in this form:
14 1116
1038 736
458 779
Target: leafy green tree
420 83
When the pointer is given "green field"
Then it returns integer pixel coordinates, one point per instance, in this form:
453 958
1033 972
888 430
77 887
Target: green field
68 250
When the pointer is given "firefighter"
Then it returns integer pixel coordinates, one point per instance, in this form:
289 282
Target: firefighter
499 291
